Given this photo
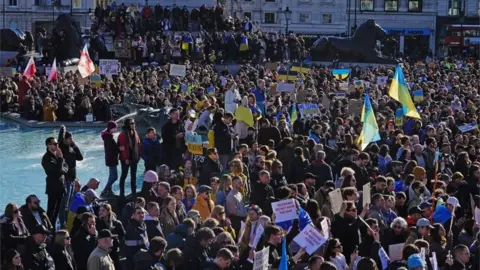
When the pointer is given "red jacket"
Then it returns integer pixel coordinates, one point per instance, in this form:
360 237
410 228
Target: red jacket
123 141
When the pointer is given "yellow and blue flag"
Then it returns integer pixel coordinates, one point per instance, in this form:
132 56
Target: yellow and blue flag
293 114
370 128
399 92
187 40
244 44
341 74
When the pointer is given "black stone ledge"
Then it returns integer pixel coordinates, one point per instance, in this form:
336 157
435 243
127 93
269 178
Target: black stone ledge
40 124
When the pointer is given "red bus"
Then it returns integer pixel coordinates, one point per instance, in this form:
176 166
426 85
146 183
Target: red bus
469 38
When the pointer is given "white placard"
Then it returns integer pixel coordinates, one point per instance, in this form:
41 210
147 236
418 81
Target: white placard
366 196
336 200
258 233
260 259
383 258
284 210
382 80
395 252
434 261
242 231
109 67
285 87
343 86
325 228
310 239
178 70
477 215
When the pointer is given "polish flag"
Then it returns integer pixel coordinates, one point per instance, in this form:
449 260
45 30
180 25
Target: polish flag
30 70
53 71
85 65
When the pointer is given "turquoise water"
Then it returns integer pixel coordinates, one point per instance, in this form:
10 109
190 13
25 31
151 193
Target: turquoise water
21 152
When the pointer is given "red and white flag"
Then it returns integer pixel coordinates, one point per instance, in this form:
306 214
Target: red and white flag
85 65
30 70
53 71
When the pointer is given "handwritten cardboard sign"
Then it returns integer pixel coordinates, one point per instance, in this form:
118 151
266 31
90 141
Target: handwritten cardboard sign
284 210
260 259
395 252
336 200
310 239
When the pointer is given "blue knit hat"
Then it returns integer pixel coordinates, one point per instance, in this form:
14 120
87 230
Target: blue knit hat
415 261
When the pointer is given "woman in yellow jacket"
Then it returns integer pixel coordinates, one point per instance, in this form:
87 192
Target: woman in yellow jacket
204 205
49 111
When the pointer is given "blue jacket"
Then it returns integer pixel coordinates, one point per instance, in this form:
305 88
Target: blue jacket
259 95
314 137
151 152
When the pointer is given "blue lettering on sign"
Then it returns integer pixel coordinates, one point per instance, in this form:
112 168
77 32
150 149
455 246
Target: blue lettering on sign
408 31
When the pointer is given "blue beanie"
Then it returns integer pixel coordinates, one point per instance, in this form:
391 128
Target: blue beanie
415 260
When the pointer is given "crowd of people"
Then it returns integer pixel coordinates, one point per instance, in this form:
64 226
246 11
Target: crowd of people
203 211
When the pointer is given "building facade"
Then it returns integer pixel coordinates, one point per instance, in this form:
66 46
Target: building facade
309 17
26 15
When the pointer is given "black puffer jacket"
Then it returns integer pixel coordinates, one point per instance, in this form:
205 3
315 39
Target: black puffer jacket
36 256
110 148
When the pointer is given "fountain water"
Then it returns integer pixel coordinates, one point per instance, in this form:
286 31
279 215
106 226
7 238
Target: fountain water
125 117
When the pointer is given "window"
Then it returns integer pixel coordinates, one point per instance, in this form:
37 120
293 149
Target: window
305 1
247 14
304 17
327 18
269 17
454 7
391 5
271 1
367 5
415 5
12 3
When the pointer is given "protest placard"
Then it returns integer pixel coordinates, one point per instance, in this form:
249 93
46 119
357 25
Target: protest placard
367 197
258 234
340 95
243 226
271 66
284 210
178 70
355 106
343 86
417 95
434 261
382 80
96 79
395 252
310 239
467 127
308 110
109 67
194 143
285 87
325 228
260 259
336 200
384 259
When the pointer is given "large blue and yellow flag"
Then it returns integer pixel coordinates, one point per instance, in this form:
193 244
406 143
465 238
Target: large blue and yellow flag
399 92
187 40
244 44
370 128
293 114
341 74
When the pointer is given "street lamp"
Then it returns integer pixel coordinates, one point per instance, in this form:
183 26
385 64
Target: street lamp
288 14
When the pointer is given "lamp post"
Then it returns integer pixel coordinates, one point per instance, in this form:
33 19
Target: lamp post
288 14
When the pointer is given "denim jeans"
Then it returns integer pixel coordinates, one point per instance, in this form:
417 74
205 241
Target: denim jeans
65 204
112 177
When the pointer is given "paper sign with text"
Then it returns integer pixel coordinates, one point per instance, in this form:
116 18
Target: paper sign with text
343 86
308 110
285 87
367 197
260 259
178 70
395 252
109 67
284 210
258 234
310 239
325 228
336 200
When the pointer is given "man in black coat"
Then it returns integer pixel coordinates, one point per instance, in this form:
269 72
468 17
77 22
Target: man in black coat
321 169
147 259
84 241
210 167
224 135
36 255
111 156
55 168
262 193
195 250
173 140
30 210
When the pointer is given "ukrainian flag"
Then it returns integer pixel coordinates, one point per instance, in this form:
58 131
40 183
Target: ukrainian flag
370 128
284 259
287 76
300 69
187 41
399 92
293 114
244 44
341 74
